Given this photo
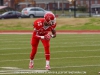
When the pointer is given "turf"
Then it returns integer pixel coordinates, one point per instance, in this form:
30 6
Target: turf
71 54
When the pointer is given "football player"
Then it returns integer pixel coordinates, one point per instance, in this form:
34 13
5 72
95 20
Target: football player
44 30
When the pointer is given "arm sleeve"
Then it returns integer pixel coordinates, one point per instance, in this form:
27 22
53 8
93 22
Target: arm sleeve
53 26
53 30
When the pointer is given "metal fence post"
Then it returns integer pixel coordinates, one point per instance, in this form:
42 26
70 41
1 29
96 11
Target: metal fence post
74 8
89 8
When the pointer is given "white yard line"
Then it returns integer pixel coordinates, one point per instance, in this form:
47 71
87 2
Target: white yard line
79 66
57 32
51 47
64 51
52 58
24 71
16 70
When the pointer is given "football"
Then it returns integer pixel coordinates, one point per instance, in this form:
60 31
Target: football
99 72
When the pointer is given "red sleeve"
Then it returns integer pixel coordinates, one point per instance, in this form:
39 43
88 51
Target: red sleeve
35 25
38 24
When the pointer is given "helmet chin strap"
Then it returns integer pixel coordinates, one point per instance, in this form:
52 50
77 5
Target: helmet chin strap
47 23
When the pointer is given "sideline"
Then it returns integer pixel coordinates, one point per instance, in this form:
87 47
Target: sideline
58 32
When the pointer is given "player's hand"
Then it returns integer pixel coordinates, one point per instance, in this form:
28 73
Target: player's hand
47 37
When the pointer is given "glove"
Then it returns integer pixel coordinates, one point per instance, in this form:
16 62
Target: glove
47 36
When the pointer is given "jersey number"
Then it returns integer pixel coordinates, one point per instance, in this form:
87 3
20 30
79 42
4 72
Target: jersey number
39 23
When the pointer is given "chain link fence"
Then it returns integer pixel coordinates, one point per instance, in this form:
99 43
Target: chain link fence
62 8
79 8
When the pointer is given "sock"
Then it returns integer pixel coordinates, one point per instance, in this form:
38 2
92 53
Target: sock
47 62
31 61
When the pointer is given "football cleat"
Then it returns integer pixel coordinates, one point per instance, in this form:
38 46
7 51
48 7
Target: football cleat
30 65
47 67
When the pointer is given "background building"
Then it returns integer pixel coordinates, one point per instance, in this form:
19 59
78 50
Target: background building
46 4
50 4
87 6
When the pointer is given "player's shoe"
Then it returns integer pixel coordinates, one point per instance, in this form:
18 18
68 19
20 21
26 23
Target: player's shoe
30 65
47 67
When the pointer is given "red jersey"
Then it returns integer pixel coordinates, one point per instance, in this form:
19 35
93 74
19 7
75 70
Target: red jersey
40 29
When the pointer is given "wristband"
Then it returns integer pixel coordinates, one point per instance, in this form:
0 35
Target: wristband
42 37
52 36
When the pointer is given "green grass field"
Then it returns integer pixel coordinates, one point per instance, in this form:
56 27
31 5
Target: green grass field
62 24
71 54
